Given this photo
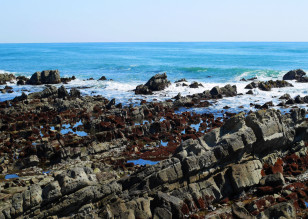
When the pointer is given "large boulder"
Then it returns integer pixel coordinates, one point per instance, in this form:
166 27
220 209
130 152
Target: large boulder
45 77
6 77
228 91
157 83
62 92
294 74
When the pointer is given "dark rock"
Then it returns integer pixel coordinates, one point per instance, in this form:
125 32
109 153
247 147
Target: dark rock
252 85
303 79
195 85
49 91
249 92
45 77
229 91
110 104
241 212
251 79
273 180
32 160
294 74
62 92
66 80
281 210
177 97
21 82
298 99
142 89
6 78
285 97
268 85
21 98
75 93
103 78
181 80
290 101
157 83
215 91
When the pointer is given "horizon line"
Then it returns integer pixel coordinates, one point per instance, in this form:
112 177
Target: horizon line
156 42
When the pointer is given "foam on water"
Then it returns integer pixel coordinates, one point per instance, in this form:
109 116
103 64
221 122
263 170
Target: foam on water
131 64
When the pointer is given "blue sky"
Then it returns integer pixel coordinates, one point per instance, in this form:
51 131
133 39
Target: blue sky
152 20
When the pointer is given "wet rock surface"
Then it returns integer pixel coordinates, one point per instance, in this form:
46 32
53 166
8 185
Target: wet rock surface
45 77
68 155
156 83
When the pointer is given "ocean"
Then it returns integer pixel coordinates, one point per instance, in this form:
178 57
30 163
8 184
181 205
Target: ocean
130 64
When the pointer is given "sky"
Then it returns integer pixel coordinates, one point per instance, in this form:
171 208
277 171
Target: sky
42 21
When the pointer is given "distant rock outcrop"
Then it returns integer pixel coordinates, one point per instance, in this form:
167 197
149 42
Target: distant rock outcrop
45 77
294 74
157 83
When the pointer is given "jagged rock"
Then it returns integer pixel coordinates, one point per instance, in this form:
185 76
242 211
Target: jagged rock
32 197
103 78
142 89
298 99
281 210
178 96
241 212
75 93
62 92
245 175
45 77
270 131
294 74
229 91
195 85
285 97
290 101
49 91
268 85
167 206
75 179
157 83
303 79
276 179
66 80
181 80
5 77
216 91
22 97
32 160
51 192
110 104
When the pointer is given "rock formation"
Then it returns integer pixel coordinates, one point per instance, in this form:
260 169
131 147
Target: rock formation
157 83
45 77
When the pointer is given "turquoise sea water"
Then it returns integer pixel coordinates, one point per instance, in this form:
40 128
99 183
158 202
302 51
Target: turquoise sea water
130 64
126 62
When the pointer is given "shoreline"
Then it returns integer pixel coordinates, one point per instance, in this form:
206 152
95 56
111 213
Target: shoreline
88 143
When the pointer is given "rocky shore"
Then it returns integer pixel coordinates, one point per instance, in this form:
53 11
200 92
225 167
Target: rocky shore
65 155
